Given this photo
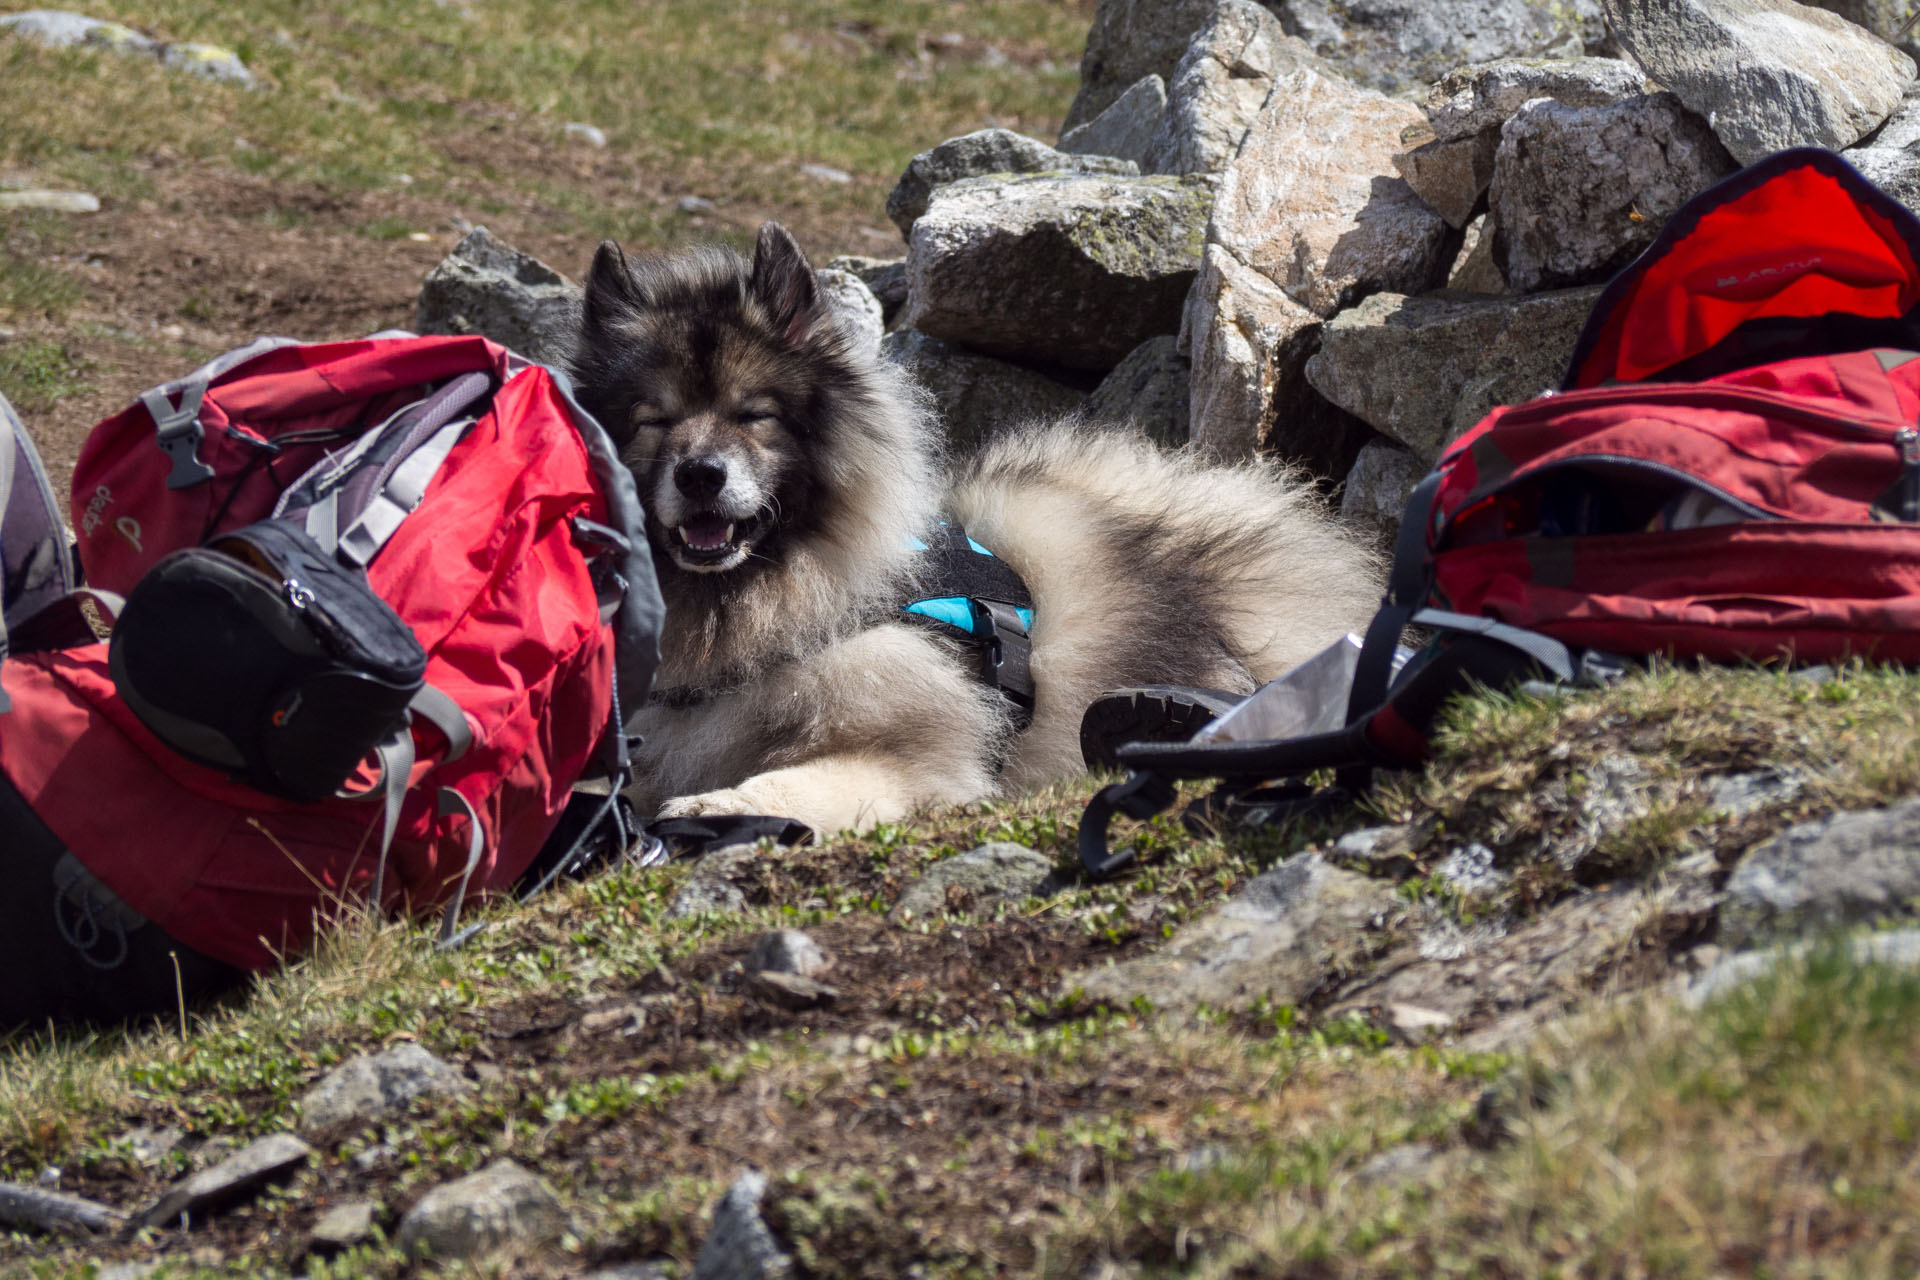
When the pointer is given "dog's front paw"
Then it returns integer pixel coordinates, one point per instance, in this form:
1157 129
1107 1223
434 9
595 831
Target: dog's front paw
707 803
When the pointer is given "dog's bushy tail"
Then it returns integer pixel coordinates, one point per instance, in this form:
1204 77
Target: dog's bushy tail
1149 566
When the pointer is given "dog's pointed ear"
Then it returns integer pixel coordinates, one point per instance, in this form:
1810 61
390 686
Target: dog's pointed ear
610 289
783 282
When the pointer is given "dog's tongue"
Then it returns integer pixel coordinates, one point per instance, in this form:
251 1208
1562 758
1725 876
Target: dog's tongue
706 533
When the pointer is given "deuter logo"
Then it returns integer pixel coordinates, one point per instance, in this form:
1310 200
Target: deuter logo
129 528
96 510
1795 267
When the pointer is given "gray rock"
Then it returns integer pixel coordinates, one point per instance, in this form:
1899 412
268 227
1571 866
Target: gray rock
1278 940
501 1205
1470 872
1126 128
1898 949
1475 270
1151 389
854 307
977 878
208 60
1219 85
59 29
1768 73
1304 222
886 278
787 951
977 154
1402 46
657 1269
1739 794
1305 202
790 990
592 135
1840 869
1068 269
1469 106
976 396
738 1245
50 201
710 886
1129 40
373 1085
343 1225
1475 101
1375 495
45 1210
696 204
1422 370
1578 192
149 1146
1250 344
1451 177
1890 158
238 1177
1409 1162
1884 18
485 286
826 173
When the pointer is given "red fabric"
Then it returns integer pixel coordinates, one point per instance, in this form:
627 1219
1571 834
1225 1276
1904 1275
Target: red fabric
485 570
1803 242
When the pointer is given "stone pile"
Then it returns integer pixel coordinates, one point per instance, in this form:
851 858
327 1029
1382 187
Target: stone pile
1335 235
1381 223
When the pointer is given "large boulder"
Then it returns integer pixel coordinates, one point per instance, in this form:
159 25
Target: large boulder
1305 223
1422 370
1067 269
1131 39
1768 73
1219 86
975 397
1578 192
1468 107
1402 46
1151 389
1375 492
1126 128
853 307
1890 158
977 154
486 286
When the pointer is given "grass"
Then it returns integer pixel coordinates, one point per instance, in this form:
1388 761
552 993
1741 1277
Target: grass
38 374
726 97
984 1122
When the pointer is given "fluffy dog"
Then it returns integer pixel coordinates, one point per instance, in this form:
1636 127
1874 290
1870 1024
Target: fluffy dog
787 478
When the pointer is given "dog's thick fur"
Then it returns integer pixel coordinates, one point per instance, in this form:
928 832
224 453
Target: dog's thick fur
785 477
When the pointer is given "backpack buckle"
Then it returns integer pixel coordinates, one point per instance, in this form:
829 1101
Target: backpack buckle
178 432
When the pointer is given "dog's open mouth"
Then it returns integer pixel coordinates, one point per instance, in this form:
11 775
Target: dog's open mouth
710 541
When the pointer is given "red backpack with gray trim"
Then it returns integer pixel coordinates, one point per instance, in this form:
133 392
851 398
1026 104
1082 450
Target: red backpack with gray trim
420 548
1730 471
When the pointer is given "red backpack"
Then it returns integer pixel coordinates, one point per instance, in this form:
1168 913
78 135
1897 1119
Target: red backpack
486 508
1729 471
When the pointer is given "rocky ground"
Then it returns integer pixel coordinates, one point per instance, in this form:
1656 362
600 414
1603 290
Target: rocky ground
1620 985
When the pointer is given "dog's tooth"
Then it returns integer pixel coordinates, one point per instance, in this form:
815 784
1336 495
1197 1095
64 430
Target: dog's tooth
728 535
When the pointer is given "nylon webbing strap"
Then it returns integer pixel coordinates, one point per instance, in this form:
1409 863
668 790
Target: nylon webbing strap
1406 592
452 802
396 765
1552 656
439 709
361 541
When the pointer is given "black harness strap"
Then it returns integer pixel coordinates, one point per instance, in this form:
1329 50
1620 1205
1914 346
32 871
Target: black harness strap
954 568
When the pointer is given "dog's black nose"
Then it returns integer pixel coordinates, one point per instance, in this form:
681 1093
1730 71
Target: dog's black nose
702 477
